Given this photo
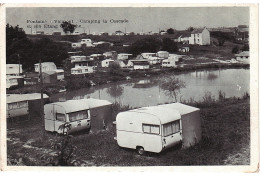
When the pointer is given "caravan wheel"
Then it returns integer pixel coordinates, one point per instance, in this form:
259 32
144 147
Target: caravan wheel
140 150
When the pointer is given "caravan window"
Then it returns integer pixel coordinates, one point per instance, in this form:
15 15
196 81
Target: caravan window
171 128
80 115
60 117
152 129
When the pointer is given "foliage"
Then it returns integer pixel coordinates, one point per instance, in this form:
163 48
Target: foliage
170 31
115 91
169 45
14 34
235 50
222 37
114 68
31 51
67 27
245 47
171 86
149 44
190 28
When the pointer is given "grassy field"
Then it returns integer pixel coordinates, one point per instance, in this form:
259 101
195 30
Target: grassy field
225 131
196 51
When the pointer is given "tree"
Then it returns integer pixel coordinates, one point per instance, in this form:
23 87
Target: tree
149 44
115 91
170 31
14 34
169 45
171 86
190 29
31 51
235 50
222 37
67 27
245 47
114 68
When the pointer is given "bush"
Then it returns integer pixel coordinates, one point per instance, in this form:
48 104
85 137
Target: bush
235 50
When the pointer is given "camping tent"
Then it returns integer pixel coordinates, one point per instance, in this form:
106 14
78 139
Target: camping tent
191 123
100 112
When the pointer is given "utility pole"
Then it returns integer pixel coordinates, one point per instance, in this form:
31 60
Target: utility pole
41 102
19 63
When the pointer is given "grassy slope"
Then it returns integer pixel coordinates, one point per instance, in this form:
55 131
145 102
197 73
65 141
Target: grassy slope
225 126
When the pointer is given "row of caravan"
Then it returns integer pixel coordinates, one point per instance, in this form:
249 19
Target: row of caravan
151 129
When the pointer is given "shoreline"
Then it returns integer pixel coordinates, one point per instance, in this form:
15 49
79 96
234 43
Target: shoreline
102 78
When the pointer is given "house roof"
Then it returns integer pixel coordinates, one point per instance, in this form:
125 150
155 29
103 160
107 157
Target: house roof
186 35
197 30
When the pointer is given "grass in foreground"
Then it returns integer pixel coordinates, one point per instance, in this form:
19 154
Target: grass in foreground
225 128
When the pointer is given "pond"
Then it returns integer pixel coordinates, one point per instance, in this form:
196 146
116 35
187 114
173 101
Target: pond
147 92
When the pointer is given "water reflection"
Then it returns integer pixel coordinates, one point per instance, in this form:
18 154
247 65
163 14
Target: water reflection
233 82
212 76
115 91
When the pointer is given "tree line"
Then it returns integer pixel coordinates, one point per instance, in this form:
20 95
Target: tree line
29 52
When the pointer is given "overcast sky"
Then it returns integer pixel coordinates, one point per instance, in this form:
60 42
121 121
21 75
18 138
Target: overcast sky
139 18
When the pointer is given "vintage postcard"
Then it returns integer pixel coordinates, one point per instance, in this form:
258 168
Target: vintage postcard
114 86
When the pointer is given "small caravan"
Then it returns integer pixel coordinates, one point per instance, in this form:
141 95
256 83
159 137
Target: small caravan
168 63
152 129
73 112
78 113
157 128
21 105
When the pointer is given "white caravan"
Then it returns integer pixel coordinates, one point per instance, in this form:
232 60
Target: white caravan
151 129
168 63
75 113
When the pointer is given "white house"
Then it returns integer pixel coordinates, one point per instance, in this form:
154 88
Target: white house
200 36
13 69
46 66
106 62
243 57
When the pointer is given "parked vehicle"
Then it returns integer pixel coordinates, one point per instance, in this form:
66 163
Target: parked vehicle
74 113
157 128
152 129
77 115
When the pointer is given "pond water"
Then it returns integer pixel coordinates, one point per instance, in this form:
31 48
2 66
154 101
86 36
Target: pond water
147 92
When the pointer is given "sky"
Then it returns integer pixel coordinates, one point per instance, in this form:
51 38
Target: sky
133 19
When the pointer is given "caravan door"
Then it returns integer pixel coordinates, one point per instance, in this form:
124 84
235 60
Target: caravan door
171 134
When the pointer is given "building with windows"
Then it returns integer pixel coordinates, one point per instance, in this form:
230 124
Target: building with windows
200 36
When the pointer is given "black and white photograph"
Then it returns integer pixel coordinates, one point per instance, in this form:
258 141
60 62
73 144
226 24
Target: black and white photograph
151 85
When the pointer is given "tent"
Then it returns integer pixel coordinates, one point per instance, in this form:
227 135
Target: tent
100 112
191 123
